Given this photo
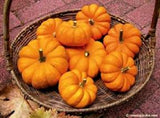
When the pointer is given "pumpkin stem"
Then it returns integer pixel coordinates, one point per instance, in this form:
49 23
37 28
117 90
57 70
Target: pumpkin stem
125 69
41 57
91 21
74 24
82 84
121 36
54 34
86 53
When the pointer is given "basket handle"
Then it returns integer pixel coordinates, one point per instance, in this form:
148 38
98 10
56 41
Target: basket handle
152 30
8 50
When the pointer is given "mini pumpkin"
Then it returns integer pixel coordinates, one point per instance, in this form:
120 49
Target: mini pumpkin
77 89
48 28
98 19
118 71
73 33
88 58
124 38
42 62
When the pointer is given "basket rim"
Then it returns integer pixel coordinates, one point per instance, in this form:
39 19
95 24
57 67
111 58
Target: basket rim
82 109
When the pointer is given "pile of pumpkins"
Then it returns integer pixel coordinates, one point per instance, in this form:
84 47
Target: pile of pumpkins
69 54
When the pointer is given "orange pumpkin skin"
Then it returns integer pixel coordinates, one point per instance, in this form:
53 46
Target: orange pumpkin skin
88 58
73 33
48 28
98 19
118 71
77 89
124 38
42 62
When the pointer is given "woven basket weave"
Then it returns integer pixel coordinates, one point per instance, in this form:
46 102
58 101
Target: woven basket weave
50 97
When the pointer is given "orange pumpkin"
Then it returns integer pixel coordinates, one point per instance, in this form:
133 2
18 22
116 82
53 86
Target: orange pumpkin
42 62
124 38
88 58
77 89
98 19
118 71
47 30
73 33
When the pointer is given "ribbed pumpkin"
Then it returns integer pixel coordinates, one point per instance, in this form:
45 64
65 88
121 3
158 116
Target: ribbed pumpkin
73 33
98 19
77 89
88 58
118 71
124 38
42 62
47 30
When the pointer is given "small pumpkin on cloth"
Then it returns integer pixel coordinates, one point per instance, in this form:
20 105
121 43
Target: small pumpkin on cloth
124 38
42 62
47 30
77 89
118 71
73 33
88 58
98 19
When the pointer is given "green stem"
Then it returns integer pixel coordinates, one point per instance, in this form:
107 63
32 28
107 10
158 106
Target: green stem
41 57
82 84
125 69
121 36
86 53
54 34
91 21
74 24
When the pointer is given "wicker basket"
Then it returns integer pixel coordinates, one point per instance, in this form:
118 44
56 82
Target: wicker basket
50 97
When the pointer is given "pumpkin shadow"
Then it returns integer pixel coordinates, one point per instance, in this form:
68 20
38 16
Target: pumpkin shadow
49 89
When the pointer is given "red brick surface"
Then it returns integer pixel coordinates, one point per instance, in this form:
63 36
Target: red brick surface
1 46
137 111
136 3
146 29
105 1
76 5
131 21
16 4
1 6
138 12
156 72
68 1
150 107
14 32
14 22
119 8
142 15
38 9
19 4
4 74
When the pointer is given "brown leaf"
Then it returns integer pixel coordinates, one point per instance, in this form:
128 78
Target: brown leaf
13 103
42 113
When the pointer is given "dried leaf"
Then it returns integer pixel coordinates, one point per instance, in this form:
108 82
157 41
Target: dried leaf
42 113
13 103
